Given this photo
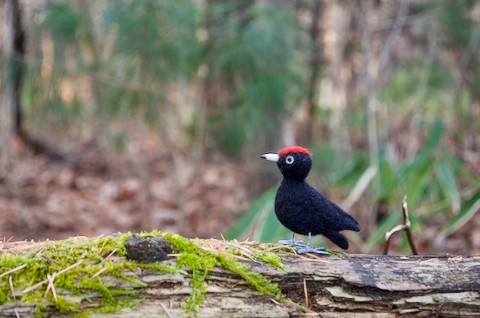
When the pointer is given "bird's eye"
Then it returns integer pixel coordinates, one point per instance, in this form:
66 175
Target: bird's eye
289 160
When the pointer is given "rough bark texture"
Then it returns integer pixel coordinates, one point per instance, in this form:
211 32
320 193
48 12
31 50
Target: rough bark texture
364 285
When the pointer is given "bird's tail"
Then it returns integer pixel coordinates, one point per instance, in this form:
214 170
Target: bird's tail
350 223
338 239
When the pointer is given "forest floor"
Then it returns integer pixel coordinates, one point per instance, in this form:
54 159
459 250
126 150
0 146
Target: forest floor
103 192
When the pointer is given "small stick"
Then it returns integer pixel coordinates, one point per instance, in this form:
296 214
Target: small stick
51 286
99 272
29 289
305 290
274 301
109 255
10 282
166 311
401 227
408 230
307 311
13 270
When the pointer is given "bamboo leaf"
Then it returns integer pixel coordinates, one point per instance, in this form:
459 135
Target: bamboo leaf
388 179
447 181
360 187
272 230
351 171
435 135
378 236
464 215
256 215
418 182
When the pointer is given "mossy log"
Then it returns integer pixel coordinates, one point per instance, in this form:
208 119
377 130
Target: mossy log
311 286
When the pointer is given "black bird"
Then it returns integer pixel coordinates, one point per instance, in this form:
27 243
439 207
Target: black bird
301 208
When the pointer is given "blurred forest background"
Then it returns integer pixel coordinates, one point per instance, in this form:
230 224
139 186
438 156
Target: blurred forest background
126 115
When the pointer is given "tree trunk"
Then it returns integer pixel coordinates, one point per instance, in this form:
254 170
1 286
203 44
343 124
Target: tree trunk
15 49
315 65
327 286
15 54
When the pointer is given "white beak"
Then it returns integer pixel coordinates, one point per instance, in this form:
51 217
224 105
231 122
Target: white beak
270 156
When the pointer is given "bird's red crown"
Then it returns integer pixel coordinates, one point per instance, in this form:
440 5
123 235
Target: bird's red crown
294 149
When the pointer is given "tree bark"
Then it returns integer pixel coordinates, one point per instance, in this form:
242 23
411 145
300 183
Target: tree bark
15 54
360 285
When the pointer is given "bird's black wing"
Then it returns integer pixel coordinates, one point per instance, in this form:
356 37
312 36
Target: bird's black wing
331 215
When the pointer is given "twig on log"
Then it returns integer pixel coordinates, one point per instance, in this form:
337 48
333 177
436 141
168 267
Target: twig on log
13 270
27 290
305 290
99 272
51 286
109 255
401 227
166 310
10 283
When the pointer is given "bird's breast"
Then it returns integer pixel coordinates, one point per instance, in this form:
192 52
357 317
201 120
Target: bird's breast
295 210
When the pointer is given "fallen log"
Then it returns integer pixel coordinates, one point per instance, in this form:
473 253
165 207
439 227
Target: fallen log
217 278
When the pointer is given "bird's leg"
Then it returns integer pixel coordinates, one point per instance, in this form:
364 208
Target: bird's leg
292 242
309 240
309 248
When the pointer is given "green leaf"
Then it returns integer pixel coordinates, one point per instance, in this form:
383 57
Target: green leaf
447 181
438 207
464 215
378 236
256 215
272 230
418 163
419 180
435 135
388 181
351 171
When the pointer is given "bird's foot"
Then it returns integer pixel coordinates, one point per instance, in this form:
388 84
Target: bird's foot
311 249
293 243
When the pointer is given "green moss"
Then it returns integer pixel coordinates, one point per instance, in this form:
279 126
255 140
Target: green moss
106 256
338 254
270 258
39 311
261 283
118 305
54 257
259 253
197 261
64 306
163 268
200 262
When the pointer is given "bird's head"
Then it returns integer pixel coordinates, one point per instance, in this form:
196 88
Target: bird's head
294 162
